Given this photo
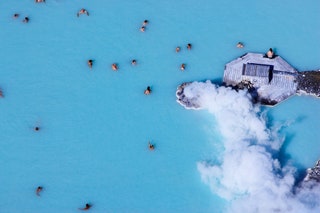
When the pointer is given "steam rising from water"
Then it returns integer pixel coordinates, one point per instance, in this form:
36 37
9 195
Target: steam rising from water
249 174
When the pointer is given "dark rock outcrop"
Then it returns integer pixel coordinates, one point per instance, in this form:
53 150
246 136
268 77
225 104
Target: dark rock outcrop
313 173
183 100
309 83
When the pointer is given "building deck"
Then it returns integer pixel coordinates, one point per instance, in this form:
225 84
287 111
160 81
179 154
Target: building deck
274 79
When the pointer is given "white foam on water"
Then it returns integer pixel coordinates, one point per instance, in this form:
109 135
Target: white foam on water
249 174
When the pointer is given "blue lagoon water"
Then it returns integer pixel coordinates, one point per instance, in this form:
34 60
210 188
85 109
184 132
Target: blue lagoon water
95 125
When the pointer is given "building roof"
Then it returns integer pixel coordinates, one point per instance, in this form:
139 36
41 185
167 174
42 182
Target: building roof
274 79
261 70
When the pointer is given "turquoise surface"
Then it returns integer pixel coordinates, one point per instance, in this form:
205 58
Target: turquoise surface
95 124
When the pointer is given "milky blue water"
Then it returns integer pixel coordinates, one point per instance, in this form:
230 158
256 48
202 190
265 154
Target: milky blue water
95 125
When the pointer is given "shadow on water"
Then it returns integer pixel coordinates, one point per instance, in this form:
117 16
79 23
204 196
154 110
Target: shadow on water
283 156
217 81
301 174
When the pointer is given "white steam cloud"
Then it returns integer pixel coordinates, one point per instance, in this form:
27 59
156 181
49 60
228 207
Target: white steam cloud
249 174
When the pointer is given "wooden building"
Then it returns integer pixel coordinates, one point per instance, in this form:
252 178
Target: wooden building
273 79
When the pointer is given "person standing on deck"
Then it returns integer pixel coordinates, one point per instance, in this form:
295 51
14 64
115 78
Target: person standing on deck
270 53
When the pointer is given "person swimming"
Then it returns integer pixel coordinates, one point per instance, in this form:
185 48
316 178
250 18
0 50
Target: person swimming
36 128
151 146
114 67
82 11
1 94
39 190
145 22
270 53
134 62
90 63
240 45
143 29
26 19
189 46
178 49
88 206
16 15
147 91
39 1
182 67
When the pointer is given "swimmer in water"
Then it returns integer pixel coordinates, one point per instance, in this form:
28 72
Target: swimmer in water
114 67
145 22
147 91
1 94
270 53
182 67
151 146
16 15
90 62
82 11
240 45
143 29
38 190
39 1
189 46
134 62
36 128
25 20
88 206
178 49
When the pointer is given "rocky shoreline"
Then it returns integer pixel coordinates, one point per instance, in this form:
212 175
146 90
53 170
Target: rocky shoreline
183 100
313 173
309 83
